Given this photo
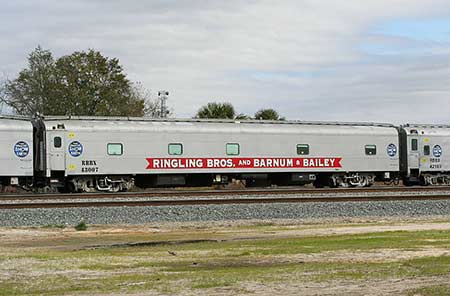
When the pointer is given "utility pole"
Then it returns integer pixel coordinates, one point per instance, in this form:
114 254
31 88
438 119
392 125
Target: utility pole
163 97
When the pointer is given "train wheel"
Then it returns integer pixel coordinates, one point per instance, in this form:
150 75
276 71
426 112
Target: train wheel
318 184
69 187
423 181
408 183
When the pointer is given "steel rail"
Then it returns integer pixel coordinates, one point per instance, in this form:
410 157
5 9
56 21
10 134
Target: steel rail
223 201
198 193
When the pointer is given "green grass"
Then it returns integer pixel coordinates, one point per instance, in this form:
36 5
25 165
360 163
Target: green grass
307 245
81 226
205 283
223 275
209 265
51 226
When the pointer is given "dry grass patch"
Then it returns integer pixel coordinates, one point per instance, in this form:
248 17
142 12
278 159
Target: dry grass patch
239 259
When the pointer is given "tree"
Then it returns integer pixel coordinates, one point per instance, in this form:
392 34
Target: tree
83 83
34 89
268 114
95 85
216 110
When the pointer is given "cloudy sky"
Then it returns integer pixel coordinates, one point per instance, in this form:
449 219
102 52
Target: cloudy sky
351 60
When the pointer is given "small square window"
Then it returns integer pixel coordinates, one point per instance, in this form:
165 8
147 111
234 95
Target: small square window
115 149
414 145
57 142
426 150
232 149
175 149
371 149
302 149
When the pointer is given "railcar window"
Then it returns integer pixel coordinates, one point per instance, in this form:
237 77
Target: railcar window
115 149
371 149
302 149
426 150
57 142
175 149
233 149
414 145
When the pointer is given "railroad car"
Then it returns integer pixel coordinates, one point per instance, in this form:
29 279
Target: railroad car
16 152
113 154
424 157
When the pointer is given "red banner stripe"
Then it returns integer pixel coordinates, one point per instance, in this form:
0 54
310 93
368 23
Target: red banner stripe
242 163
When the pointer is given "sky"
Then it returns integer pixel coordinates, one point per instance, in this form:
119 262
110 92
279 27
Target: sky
348 60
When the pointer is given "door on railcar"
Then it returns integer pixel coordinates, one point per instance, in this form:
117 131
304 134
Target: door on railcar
57 153
413 155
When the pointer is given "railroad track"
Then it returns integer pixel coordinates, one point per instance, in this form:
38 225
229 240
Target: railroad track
217 201
202 193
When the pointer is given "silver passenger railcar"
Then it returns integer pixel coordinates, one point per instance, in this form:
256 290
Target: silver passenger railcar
16 151
425 154
111 154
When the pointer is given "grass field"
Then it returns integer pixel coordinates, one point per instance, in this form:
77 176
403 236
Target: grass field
362 258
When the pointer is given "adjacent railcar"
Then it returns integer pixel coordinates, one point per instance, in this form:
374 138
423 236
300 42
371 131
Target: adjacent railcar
425 157
16 152
110 154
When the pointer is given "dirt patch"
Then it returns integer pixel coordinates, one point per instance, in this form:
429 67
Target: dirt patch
121 235
151 244
173 226
341 288
378 256
372 288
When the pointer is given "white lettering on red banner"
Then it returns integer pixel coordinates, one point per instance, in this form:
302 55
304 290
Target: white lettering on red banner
242 163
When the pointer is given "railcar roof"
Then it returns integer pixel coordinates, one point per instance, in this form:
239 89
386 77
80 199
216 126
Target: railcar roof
428 129
193 120
426 125
107 124
15 123
15 117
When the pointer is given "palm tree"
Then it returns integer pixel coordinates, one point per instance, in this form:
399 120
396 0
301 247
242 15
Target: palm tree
268 114
216 110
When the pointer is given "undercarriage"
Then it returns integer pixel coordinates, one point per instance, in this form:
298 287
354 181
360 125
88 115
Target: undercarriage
102 184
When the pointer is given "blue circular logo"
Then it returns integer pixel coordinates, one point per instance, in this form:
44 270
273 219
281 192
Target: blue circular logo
21 149
391 150
75 148
437 151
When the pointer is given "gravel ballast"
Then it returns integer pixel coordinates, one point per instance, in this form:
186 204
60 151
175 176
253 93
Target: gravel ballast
139 215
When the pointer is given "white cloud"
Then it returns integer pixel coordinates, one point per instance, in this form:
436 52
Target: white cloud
305 58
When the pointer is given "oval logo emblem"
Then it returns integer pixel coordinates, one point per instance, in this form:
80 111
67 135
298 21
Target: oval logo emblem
391 150
21 149
437 151
75 148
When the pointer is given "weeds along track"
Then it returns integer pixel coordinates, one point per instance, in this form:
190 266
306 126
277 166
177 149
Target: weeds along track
221 197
